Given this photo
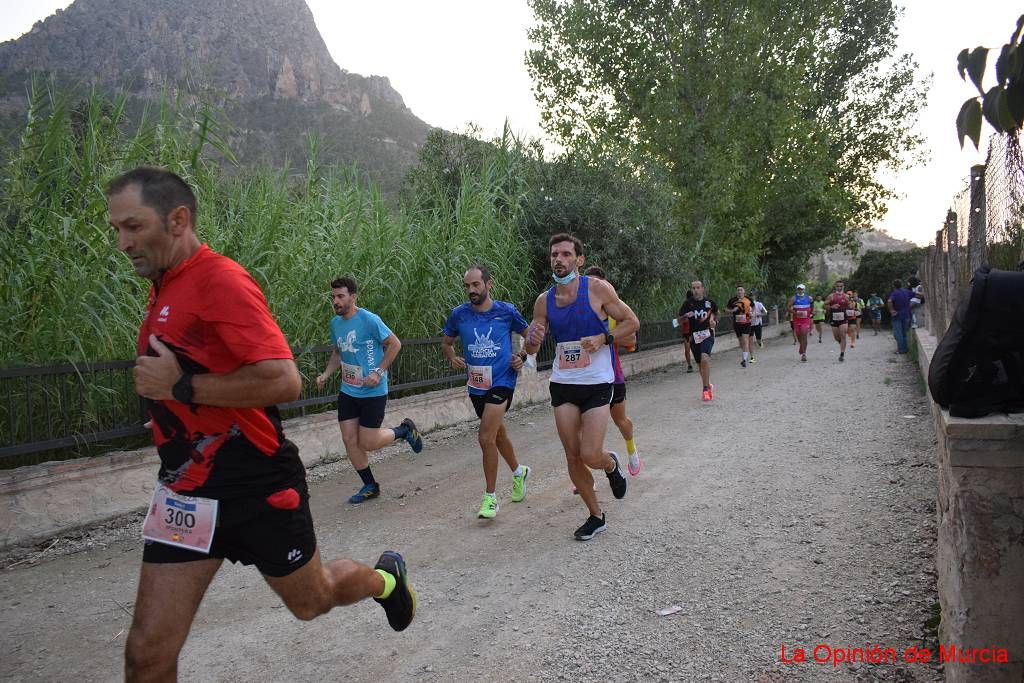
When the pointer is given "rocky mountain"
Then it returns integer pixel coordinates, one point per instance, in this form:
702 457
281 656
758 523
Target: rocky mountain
842 262
263 61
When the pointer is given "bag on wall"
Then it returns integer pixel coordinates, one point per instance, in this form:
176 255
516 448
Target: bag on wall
978 366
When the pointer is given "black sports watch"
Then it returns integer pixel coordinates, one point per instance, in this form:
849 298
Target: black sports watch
609 339
182 390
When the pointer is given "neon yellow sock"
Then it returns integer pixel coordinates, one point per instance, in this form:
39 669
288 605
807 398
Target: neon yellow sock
389 584
630 446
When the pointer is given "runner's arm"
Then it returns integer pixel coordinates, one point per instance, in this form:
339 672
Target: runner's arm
448 349
254 385
392 345
333 363
534 336
627 324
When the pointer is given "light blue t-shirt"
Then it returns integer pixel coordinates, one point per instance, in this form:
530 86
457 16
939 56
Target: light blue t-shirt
487 343
359 341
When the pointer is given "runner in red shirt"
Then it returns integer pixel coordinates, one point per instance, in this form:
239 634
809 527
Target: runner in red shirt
835 305
230 486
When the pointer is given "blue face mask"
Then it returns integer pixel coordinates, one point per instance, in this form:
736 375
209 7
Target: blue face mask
564 280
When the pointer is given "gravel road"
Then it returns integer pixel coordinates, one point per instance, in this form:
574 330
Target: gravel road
795 510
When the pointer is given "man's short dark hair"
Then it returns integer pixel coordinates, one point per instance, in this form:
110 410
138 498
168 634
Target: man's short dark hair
596 271
346 282
161 190
485 273
897 283
566 237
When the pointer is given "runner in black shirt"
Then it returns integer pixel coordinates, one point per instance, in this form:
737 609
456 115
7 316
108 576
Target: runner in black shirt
703 316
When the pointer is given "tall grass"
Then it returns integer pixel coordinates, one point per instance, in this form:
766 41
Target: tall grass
69 296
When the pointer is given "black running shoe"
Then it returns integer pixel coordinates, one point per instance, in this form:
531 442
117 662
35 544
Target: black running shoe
592 527
400 606
413 437
840 358
615 478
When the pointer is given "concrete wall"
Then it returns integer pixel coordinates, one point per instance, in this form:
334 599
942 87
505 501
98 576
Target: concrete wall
42 501
981 535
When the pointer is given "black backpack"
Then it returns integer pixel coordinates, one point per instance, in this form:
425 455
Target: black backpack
978 367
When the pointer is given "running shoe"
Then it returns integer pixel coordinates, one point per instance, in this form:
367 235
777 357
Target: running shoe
743 363
592 527
412 437
488 507
760 344
752 360
400 606
364 494
705 395
519 485
616 481
711 390
840 357
803 357
635 464
689 368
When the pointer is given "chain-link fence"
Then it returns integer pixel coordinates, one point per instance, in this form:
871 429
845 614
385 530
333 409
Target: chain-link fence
983 226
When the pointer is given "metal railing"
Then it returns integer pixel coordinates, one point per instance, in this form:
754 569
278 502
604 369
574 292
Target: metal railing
71 410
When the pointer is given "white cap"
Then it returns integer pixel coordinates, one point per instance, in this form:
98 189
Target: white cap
800 287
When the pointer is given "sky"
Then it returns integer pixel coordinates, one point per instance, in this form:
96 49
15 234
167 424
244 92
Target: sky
461 62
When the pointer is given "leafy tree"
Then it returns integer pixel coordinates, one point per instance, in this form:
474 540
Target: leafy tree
768 120
877 270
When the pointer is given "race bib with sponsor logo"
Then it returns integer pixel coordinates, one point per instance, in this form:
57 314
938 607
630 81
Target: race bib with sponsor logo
572 356
181 521
480 377
351 375
838 316
701 335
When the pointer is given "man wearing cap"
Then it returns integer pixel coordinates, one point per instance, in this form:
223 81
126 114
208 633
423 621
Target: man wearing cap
800 310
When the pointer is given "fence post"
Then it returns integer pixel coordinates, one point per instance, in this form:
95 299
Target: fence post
952 265
976 229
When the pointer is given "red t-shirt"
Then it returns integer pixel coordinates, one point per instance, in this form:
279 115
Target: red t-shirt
837 301
212 314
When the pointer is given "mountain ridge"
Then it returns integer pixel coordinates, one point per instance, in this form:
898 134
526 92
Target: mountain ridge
263 61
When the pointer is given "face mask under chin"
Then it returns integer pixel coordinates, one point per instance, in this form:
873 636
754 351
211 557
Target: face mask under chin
565 279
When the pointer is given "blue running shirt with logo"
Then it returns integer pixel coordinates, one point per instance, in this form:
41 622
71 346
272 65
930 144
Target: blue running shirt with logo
359 341
487 343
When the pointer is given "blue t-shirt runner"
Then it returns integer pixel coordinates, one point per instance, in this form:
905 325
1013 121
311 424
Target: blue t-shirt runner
360 343
487 343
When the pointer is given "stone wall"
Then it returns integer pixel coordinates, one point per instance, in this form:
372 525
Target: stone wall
981 536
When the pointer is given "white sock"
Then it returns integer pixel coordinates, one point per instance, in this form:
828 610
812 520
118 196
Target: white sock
491 494
745 355
518 472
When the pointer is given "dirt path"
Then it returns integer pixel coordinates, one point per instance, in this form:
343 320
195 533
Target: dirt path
765 516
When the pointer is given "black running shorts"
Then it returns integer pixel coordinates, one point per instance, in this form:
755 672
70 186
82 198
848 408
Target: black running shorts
252 531
369 410
494 395
704 348
583 396
618 393
836 323
741 328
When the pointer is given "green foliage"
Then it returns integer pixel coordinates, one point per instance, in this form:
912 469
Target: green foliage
68 294
1002 105
768 122
877 270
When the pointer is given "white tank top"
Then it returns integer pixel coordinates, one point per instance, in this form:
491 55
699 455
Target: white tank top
596 368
